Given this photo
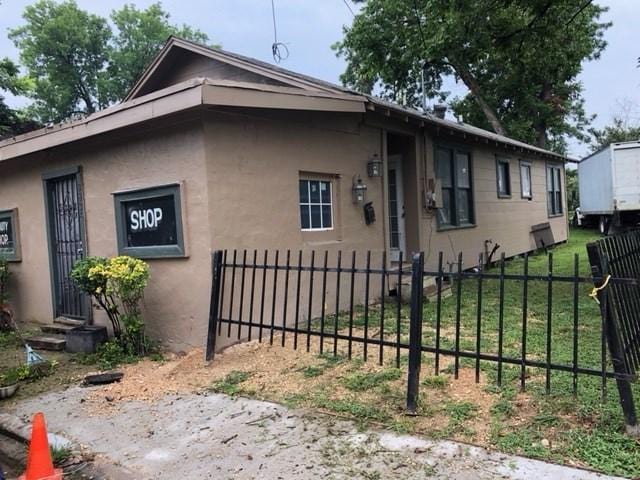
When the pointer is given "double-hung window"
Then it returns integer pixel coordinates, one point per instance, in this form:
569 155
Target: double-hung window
503 177
453 169
554 190
525 180
316 206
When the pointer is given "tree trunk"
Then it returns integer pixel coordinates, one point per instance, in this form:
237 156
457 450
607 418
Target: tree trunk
541 125
474 88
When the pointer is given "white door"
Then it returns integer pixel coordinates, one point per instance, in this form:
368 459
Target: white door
396 209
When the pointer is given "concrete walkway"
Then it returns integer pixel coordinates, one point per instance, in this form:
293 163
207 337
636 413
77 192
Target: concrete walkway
215 436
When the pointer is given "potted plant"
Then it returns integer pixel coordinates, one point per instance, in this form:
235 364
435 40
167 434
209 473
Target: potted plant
10 380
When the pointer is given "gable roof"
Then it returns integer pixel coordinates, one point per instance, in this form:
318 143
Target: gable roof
264 86
304 81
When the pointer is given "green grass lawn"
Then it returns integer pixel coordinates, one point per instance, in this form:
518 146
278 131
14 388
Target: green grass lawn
586 427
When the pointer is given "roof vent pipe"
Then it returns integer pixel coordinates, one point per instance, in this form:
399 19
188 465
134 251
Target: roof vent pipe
439 110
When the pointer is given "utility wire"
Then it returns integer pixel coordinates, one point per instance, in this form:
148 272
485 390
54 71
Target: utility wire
346 2
278 49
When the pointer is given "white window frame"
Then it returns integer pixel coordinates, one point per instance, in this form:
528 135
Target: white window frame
526 166
320 204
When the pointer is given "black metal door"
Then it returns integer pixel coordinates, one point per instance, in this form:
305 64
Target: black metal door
66 223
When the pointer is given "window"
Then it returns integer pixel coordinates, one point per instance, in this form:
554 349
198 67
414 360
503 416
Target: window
149 222
554 190
316 209
503 177
525 180
9 245
453 169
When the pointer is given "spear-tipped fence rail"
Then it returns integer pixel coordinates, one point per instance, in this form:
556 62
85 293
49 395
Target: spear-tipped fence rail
360 307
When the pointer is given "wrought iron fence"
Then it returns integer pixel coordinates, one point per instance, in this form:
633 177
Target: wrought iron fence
611 258
531 322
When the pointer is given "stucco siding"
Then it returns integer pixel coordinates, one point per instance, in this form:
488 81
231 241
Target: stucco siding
175 311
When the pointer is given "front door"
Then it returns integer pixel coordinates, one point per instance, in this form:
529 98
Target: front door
396 208
66 243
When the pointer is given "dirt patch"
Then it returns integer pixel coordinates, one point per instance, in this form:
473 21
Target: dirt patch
368 391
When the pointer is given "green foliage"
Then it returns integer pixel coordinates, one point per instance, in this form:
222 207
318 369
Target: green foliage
573 191
117 284
140 35
77 64
361 381
108 356
93 285
619 131
437 381
13 375
59 455
230 384
64 50
350 407
519 60
12 122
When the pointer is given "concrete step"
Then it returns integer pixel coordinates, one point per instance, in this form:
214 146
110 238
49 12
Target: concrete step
68 321
46 342
57 328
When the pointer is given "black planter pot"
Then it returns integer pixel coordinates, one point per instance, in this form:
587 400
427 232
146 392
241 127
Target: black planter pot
85 339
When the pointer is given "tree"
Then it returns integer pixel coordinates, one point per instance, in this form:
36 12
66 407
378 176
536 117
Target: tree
618 131
64 50
519 59
78 64
140 35
12 122
625 127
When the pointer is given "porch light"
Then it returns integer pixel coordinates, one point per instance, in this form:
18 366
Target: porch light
374 166
359 191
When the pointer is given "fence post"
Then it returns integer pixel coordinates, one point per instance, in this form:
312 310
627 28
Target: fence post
415 332
216 269
599 268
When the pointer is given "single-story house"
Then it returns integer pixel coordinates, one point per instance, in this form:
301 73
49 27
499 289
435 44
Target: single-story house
213 150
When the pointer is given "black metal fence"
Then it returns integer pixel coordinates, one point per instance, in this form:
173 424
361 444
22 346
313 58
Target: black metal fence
611 258
518 318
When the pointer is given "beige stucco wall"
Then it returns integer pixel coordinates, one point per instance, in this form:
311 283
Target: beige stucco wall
176 300
239 171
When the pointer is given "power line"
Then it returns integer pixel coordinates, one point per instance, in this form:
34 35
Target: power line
278 49
346 2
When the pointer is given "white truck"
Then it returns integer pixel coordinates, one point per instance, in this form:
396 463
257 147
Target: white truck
609 185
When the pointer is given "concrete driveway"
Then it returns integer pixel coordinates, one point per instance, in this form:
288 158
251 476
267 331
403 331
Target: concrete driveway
215 436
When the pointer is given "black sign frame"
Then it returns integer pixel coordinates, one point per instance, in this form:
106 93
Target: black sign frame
147 195
12 254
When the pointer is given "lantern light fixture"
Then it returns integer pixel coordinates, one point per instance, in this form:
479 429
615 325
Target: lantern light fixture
374 166
359 191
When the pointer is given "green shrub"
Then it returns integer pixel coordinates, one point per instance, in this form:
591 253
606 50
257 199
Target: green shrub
117 284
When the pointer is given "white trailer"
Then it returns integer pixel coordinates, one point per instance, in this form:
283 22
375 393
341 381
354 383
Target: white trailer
609 183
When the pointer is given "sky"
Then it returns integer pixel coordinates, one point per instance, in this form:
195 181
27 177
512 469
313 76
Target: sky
310 27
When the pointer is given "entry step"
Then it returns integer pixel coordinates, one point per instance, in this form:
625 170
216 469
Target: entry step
68 321
46 342
57 328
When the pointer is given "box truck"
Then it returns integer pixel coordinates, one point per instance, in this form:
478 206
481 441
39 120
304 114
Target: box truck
609 185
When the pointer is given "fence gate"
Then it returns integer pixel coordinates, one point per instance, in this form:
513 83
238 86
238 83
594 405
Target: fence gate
619 257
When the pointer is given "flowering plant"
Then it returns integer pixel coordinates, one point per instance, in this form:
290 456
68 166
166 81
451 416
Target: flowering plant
117 284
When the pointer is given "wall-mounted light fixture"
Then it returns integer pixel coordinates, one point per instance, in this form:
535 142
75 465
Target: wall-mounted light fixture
359 191
374 166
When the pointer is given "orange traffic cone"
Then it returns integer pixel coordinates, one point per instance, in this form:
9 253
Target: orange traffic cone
39 464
